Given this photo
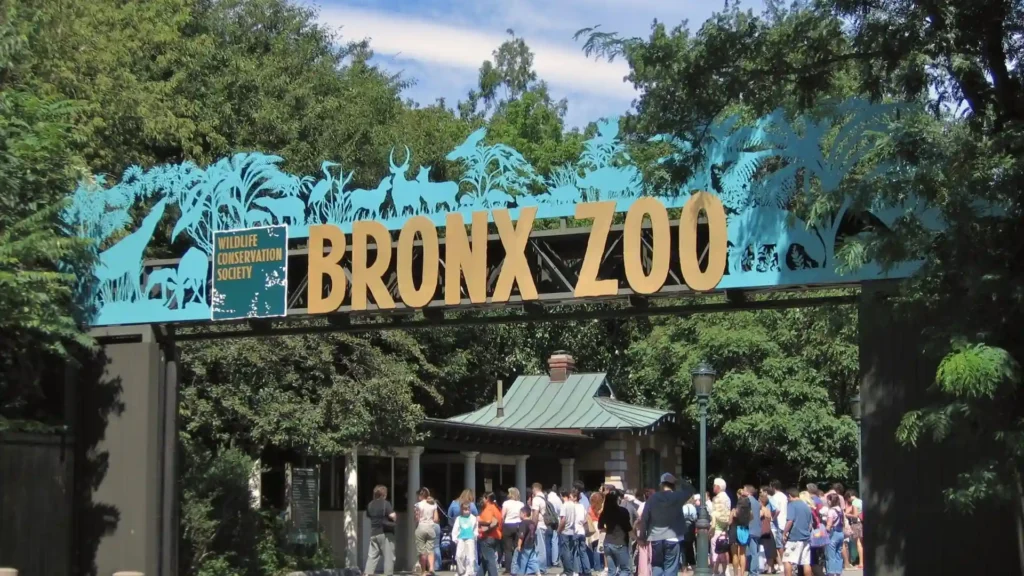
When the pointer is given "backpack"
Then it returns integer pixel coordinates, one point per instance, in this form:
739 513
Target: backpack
819 536
742 535
550 517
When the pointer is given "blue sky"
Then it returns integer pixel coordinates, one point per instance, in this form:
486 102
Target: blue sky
441 43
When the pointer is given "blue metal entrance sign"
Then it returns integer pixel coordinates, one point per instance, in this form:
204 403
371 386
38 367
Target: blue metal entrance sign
759 172
250 273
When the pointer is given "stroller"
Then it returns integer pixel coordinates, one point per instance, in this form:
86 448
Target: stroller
446 546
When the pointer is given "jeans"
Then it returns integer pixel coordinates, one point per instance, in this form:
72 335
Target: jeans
665 558
489 557
553 540
834 553
526 562
582 554
543 538
753 555
617 557
567 546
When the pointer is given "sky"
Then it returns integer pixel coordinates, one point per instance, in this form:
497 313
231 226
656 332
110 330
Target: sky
442 43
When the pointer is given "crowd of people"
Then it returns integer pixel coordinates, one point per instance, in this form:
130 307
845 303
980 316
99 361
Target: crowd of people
611 532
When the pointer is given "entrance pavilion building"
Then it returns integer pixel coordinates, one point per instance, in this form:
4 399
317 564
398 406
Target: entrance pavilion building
551 428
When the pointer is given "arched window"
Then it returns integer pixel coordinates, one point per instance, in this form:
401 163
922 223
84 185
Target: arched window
650 468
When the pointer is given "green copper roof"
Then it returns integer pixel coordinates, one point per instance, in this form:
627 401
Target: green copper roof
582 402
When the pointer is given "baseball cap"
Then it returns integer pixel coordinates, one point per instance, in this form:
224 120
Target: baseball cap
667 478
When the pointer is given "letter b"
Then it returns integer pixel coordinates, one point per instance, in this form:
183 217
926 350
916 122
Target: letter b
329 264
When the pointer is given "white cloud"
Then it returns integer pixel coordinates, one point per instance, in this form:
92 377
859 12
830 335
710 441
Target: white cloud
430 42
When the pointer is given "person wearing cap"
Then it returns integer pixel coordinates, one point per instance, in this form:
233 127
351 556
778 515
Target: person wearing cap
663 526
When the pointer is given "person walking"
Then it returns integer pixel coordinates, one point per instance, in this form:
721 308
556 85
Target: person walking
855 520
510 513
567 535
426 537
382 532
662 525
688 555
526 547
754 529
546 518
796 535
835 520
490 528
767 538
615 525
554 557
464 534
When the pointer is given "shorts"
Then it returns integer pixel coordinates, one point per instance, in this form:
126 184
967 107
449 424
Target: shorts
425 539
797 553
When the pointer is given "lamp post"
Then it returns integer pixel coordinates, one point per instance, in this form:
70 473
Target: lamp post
855 411
703 377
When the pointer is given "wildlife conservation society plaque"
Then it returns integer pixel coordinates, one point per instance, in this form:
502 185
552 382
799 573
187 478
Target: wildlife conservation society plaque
250 273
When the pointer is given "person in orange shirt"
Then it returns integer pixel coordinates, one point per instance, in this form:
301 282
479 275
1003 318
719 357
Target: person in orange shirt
490 535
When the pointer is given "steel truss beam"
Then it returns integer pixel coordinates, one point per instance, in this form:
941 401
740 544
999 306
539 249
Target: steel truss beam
555 257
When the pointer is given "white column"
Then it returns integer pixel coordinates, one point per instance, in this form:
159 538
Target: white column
521 477
351 507
255 486
414 487
469 474
568 474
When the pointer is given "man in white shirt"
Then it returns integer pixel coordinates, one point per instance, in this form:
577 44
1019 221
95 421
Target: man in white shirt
556 503
778 502
539 505
567 537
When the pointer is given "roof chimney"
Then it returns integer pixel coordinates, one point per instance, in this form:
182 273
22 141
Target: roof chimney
560 366
500 405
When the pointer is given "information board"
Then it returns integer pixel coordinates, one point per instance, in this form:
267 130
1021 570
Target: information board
250 273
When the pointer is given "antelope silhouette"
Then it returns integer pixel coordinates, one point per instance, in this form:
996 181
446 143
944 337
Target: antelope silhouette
436 193
405 193
166 279
125 258
369 199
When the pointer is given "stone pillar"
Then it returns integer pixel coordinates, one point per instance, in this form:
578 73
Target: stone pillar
469 473
568 473
127 421
615 464
414 486
351 508
521 477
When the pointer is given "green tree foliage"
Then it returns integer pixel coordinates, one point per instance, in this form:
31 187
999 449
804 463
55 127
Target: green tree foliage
957 59
777 409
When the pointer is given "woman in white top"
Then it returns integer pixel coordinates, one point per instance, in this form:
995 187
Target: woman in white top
510 511
426 517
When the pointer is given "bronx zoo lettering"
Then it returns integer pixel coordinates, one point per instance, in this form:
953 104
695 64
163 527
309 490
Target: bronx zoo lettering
236 254
466 255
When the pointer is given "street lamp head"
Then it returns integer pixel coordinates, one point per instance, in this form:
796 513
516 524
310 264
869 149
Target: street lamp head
855 407
703 376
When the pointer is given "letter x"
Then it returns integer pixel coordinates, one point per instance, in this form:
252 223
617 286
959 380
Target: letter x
515 268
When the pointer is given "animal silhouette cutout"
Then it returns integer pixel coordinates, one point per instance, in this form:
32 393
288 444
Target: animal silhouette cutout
405 193
284 209
318 195
122 263
167 280
468 147
498 199
369 200
192 270
611 182
761 226
258 218
437 193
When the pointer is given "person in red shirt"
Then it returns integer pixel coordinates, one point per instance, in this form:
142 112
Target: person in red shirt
490 535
